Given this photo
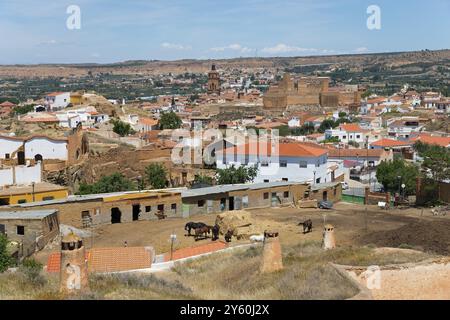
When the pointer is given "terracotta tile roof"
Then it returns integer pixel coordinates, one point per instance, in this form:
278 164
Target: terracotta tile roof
356 153
109 259
294 149
376 100
54 262
7 104
148 121
390 143
119 259
193 251
440 141
351 127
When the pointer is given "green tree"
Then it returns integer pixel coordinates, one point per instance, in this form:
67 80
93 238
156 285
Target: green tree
235 175
304 130
121 128
436 163
5 257
392 174
327 124
170 120
203 180
112 183
283 131
342 114
23 109
156 175
331 140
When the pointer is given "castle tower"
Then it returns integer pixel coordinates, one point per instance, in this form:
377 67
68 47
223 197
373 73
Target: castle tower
329 241
213 81
272 260
73 269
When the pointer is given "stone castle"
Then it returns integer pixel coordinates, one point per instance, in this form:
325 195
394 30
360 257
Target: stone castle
309 91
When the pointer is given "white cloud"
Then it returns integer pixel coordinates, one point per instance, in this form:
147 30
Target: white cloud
361 50
175 46
234 47
284 48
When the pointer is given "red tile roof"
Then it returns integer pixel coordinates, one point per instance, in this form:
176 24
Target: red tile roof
7 104
390 143
194 251
357 153
109 259
351 127
440 141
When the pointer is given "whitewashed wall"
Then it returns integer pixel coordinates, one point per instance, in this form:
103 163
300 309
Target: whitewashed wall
8 145
6 177
49 149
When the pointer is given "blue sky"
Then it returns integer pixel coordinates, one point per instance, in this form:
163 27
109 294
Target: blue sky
116 30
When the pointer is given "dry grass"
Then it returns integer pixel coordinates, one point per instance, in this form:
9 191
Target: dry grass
307 275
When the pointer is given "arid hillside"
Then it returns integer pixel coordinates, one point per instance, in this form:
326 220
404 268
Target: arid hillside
196 66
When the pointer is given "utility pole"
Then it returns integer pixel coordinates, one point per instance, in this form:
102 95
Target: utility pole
32 185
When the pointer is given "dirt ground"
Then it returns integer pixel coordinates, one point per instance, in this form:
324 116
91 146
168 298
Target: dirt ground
354 226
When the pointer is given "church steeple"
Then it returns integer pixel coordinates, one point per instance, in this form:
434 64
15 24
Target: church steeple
213 81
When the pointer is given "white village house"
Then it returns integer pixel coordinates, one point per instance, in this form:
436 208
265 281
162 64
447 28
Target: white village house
297 162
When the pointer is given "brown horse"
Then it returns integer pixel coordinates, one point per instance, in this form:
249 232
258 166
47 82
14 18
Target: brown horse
202 232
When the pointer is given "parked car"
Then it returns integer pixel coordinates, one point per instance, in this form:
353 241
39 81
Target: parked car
344 185
325 204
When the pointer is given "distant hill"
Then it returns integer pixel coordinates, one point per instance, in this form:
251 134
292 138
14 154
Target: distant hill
151 67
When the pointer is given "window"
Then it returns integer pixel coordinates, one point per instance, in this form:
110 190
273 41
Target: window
283 164
266 195
286 194
264 163
358 136
7 156
303 164
22 201
245 201
173 206
148 208
318 180
201 203
344 137
284 179
318 163
20 230
266 181
48 198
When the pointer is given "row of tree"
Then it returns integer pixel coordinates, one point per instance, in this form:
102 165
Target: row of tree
156 177
434 168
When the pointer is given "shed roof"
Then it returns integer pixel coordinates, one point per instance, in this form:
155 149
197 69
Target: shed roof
235 187
27 215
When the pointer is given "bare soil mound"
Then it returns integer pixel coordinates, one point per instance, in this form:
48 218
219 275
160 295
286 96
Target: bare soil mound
432 236
243 224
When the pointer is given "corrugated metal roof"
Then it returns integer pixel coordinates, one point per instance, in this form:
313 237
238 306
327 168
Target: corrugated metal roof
319 186
100 197
235 187
27 215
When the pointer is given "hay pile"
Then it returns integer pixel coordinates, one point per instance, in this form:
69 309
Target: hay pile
242 224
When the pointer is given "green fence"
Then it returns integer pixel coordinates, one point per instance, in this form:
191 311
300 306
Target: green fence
353 199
